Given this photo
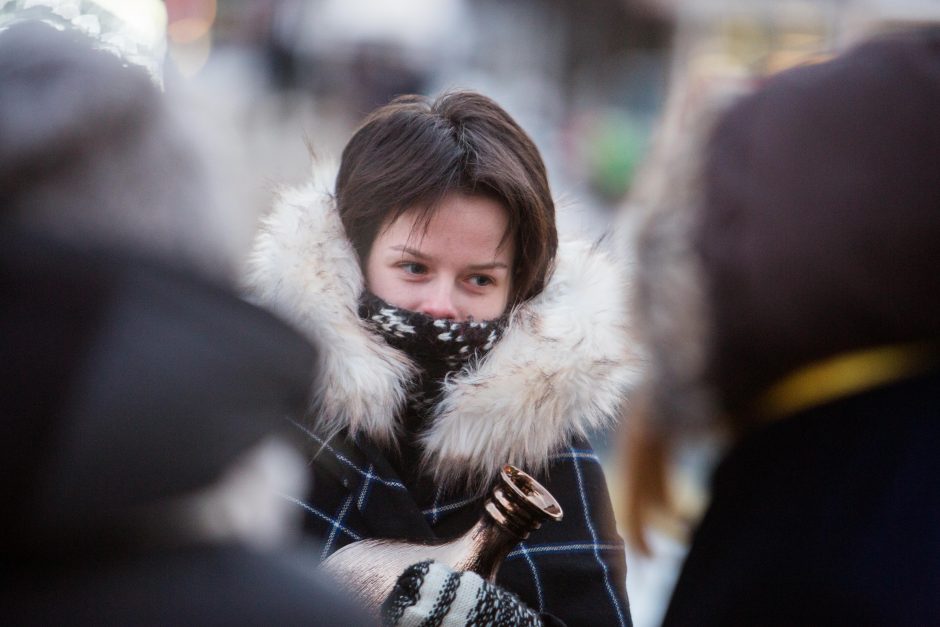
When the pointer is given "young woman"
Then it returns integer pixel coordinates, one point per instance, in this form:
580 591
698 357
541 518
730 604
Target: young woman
454 341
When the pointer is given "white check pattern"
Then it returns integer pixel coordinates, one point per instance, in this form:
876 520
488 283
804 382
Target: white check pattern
577 456
361 497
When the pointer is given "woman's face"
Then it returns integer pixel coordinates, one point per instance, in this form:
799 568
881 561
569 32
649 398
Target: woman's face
455 270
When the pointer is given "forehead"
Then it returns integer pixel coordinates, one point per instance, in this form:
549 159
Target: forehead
472 225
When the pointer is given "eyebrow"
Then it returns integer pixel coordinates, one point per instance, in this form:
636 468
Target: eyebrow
411 251
477 266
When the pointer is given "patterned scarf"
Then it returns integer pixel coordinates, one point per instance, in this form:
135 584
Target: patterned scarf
437 346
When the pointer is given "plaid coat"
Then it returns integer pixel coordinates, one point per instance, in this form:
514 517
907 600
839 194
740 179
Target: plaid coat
560 370
573 570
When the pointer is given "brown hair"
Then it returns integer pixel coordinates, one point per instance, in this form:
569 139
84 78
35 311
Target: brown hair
413 151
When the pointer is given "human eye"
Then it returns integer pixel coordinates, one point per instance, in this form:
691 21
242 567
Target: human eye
481 280
411 267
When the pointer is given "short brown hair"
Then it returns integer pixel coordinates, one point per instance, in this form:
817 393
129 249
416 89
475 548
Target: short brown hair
413 151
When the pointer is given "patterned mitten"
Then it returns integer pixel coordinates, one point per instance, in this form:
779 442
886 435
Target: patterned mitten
429 593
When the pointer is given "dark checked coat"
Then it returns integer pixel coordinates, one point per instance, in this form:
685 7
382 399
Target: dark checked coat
561 369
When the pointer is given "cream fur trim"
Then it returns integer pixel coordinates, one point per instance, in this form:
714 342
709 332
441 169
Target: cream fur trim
562 368
305 269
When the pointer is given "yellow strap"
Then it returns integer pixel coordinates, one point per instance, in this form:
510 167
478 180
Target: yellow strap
843 375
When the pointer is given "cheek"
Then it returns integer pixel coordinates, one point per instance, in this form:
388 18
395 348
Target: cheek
378 280
504 300
491 307
385 283
370 274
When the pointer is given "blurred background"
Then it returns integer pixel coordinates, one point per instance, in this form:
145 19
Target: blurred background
267 83
585 79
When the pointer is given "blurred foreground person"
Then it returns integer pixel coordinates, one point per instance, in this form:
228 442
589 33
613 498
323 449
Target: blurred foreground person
141 399
792 301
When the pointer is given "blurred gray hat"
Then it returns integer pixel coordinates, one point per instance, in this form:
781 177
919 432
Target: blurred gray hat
90 151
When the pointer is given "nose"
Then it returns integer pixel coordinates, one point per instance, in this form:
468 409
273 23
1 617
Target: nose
439 303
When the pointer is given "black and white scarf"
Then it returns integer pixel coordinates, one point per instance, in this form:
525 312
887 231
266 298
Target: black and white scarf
437 346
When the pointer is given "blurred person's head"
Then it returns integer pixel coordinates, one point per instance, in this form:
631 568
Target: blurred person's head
803 227
447 205
93 154
138 395
821 216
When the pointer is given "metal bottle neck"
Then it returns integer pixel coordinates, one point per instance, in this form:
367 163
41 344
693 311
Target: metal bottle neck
519 504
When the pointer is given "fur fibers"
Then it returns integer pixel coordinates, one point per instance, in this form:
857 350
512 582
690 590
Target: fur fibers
562 368
668 298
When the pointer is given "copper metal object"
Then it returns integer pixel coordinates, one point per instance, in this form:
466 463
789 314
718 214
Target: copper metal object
517 506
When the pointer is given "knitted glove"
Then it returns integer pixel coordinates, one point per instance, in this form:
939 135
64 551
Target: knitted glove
429 593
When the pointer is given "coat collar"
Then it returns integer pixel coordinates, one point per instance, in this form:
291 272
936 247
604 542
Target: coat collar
562 368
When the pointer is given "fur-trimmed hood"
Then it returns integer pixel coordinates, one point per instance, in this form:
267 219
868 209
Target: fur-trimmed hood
562 368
